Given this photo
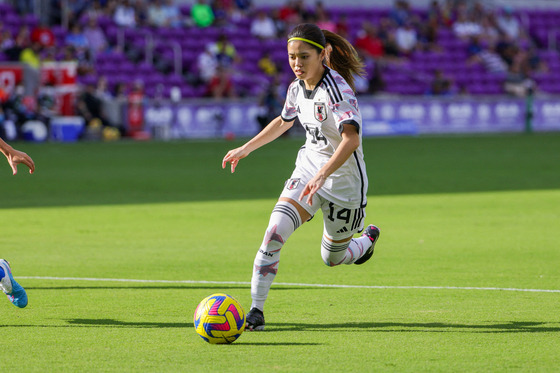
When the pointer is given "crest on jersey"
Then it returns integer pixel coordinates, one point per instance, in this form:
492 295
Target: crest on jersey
320 111
292 184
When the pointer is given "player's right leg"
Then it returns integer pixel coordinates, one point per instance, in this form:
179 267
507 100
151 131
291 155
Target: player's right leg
14 291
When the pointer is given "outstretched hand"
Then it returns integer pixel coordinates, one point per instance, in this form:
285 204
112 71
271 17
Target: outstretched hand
16 157
311 188
233 157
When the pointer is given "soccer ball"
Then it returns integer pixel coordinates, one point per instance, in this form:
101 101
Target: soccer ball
219 318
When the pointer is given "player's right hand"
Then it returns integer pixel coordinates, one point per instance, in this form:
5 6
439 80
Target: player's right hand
233 157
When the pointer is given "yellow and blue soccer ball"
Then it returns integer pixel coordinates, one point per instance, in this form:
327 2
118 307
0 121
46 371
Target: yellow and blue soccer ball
219 318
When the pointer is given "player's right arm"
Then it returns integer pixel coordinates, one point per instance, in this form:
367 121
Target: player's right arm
271 132
16 157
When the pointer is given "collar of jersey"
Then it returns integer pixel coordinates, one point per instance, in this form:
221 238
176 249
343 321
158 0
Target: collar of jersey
306 93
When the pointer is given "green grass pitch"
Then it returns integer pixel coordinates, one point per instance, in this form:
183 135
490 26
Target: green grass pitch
466 223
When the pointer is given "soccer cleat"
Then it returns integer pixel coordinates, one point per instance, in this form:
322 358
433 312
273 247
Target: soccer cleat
14 291
372 232
255 320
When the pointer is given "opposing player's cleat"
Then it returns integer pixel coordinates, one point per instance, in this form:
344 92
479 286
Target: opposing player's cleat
372 232
255 320
14 291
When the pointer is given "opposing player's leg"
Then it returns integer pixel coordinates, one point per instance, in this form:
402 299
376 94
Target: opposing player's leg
14 291
338 245
286 217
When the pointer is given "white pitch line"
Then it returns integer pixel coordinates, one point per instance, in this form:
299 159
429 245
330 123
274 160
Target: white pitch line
284 284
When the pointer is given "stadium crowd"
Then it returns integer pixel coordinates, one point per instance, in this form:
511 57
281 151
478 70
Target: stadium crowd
232 48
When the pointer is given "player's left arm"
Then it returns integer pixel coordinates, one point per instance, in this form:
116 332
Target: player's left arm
350 142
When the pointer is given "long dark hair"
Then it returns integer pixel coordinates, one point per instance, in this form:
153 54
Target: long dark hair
343 58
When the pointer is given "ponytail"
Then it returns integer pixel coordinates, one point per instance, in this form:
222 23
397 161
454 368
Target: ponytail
341 55
343 58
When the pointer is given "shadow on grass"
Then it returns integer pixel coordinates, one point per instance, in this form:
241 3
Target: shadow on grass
414 327
377 327
129 324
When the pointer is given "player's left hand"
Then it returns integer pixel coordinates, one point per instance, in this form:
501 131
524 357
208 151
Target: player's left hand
311 188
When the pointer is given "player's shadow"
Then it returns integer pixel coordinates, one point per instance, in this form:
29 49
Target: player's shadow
389 327
112 323
416 327
126 324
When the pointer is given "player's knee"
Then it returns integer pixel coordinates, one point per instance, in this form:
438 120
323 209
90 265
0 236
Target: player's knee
333 254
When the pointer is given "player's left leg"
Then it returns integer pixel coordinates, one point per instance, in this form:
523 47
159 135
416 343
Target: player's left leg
338 245
285 218
14 291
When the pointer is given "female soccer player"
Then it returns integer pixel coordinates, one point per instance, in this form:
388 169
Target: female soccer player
330 173
15 292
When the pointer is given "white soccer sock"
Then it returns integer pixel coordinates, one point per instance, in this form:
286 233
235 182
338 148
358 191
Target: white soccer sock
284 220
343 253
357 248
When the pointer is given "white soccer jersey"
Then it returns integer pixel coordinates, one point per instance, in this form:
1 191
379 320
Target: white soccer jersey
323 112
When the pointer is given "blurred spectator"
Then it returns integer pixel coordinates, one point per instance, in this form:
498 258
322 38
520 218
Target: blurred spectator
43 35
141 12
96 10
6 40
488 31
172 14
518 83
323 19
90 107
400 13
440 85
534 61
125 14
111 104
490 59
223 10
376 81
289 14
224 51
244 5
30 55
77 39
263 26
368 43
96 37
267 65
221 84
342 27
271 102
31 59
156 14
509 25
302 13
202 14
25 35
76 8
206 65
278 23
406 38
83 64
474 46
465 26
13 52
440 13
